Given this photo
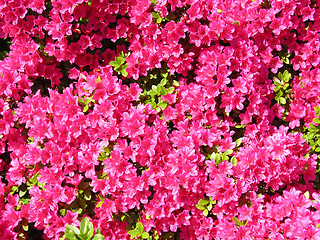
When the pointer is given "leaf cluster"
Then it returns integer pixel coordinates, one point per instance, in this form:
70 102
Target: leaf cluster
206 205
312 134
219 157
158 89
86 231
120 64
138 232
282 87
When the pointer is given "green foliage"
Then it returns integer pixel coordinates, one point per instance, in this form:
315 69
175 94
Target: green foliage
312 134
219 157
84 203
282 88
120 64
33 181
307 194
104 154
138 232
23 189
86 231
239 223
162 84
102 198
135 227
312 137
157 17
285 57
206 205
85 103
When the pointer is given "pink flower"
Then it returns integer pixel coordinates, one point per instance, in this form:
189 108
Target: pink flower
275 64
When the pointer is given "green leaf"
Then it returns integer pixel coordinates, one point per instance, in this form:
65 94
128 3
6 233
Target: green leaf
234 161
205 212
85 108
170 90
219 11
63 212
71 228
283 100
217 158
145 235
119 60
313 128
153 104
14 189
124 72
134 233
158 89
238 141
200 207
155 15
100 203
71 232
307 194
87 194
163 82
236 221
176 83
163 91
25 228
203 202
83 237
86 227
22 193
276 88
228 151
164 74
99 79
316 120
78 210
317 109
318 226
98 237
286 76
163 105
224 157
140 227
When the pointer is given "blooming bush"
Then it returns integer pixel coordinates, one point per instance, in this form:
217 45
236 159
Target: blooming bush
160 119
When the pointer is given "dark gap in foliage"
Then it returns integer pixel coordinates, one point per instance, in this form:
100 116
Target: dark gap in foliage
225 44
4 47
171 127
42 84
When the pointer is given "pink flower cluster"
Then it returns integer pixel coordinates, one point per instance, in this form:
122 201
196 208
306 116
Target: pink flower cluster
78 139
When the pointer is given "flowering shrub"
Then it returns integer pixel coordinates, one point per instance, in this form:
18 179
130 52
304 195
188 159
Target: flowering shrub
159 119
